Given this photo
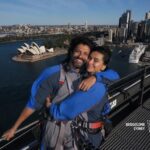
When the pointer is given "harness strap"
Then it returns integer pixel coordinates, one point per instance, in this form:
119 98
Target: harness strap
96 125
62 75
91 125
79 139
69 84
59 143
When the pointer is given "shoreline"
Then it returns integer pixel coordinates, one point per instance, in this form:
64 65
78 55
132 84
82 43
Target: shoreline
21 40
34 58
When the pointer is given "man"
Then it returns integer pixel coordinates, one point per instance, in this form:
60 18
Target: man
50 83
56 82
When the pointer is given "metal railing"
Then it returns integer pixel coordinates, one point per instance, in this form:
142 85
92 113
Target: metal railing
30 127
124 87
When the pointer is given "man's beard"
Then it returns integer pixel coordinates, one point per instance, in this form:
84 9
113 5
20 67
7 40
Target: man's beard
78 63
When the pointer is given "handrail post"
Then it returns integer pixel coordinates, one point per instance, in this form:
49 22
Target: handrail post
142 85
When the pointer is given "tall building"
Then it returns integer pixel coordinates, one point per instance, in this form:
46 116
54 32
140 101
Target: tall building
147 16
69 26
125 23
141 31
147 30
110 35
86 26
121 34
100 41
134 28
125 19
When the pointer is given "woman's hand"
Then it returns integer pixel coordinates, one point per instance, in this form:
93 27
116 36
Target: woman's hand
48 102
87 83
9 134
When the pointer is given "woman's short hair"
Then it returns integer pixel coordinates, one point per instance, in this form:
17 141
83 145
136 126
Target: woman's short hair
105 51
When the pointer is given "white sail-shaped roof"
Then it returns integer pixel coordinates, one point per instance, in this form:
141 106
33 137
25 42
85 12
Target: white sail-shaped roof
42 49
35 44
50 50
32 51
26 45
35 49
21 50
24 48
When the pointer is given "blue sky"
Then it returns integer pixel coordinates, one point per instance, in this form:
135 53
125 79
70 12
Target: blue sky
53 12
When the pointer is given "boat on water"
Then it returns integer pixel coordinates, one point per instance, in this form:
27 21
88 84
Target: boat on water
137 53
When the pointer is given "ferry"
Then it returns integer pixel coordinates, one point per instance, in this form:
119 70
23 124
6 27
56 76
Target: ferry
137 53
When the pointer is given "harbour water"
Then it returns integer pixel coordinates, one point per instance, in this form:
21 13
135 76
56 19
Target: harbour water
16 78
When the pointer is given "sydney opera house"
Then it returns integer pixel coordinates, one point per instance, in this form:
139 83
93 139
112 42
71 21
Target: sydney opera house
33 49
34 52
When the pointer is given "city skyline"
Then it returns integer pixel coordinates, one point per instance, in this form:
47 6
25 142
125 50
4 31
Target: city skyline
59 12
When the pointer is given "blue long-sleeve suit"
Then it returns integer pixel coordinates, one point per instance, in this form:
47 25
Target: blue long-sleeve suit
47 84
81 101
78 102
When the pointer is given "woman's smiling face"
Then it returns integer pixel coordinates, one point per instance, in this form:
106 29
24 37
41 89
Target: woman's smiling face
95 62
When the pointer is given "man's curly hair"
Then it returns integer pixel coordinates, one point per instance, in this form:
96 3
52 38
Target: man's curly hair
74 42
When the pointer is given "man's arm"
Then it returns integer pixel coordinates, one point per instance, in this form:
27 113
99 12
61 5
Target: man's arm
77 103
82 101
107 77
41 88
23 116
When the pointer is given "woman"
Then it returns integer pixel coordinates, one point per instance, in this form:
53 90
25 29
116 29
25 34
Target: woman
87 108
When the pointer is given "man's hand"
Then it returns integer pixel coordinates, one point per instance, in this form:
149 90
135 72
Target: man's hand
9 134
23 116
87 83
